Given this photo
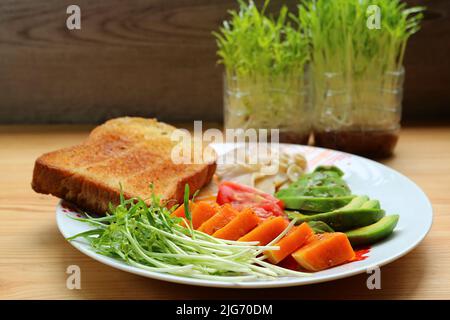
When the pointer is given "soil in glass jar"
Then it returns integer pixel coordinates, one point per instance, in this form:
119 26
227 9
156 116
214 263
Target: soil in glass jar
294 137
370 143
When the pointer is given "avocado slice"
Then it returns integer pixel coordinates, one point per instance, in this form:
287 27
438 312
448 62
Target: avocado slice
342 220
371 204
319 191
325 168
374 232
316 204
356 203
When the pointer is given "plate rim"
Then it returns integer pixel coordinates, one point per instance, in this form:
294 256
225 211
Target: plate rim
277 283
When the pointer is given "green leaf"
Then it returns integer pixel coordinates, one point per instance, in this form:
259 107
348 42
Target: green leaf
187 211
86 234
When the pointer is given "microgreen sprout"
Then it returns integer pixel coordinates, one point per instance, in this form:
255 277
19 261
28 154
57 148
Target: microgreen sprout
252 43
356 68
265 57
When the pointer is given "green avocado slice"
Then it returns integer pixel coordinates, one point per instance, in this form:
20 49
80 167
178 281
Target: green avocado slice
319 191
371 204
356 203
342 220
315 204
374 232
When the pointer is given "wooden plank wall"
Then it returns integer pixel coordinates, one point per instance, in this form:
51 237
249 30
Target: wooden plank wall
156 58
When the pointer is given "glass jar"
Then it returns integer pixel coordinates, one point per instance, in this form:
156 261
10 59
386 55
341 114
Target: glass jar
359 115
269 102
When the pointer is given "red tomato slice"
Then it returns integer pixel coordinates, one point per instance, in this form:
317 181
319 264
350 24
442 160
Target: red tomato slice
241 196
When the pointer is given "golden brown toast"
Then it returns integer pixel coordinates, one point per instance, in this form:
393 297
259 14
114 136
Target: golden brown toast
131 152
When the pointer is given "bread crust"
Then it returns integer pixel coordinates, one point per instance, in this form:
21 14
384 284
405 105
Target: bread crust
54 174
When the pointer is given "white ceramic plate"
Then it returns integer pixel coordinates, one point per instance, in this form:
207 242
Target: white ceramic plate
397 194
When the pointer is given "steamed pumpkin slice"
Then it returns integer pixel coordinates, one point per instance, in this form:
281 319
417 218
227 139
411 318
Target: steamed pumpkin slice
179 212
266 231
244 222
293 240
323 251
225 214
200 211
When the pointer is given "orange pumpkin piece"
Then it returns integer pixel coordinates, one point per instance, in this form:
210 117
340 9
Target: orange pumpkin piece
324 251
244 222
179 212
201 212
295 238
219 220
266 231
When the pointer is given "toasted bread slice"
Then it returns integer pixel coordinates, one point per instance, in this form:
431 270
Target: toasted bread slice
128 152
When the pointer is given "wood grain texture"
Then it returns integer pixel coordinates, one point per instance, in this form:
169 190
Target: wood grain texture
34 255
157 58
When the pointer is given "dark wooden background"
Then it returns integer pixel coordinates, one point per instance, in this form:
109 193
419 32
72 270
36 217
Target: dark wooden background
157 58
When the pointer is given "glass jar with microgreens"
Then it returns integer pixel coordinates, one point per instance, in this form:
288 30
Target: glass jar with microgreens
266 78
358 71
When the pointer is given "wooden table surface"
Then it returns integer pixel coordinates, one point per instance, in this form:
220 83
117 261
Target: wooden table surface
34 256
